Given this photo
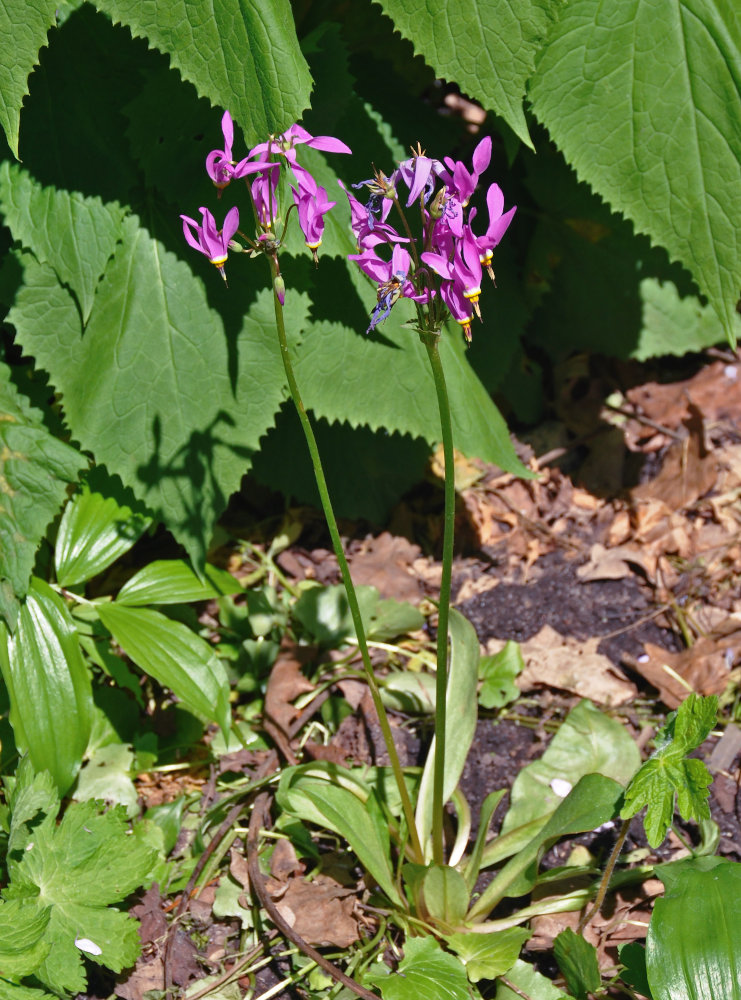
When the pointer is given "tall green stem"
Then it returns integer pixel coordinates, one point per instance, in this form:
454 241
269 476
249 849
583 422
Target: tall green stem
441 678
339 551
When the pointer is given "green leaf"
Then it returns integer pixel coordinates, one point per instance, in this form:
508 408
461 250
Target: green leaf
75 235
385 381
697 958
340 802
530 982
668 772
633 957
245 58
93 533
35 469
592 802
445 895
577 960
588 742
28 25
425 971
173 581
460 720
674 325
107 776
174 656
498 673
178 406
487 956
50 693
22 944
645 101
78 869
487 47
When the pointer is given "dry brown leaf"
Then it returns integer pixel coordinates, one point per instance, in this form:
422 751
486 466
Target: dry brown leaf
611 564
703 669
552 660
320 911
385 562
687 472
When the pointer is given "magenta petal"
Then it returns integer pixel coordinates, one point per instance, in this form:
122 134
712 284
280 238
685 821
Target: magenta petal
440 265
192 241
497 231
494 202
327 144
482 155
231 224
227 127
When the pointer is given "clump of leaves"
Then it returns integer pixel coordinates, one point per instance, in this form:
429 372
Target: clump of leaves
64 882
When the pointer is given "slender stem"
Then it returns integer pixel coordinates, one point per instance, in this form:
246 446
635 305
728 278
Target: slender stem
352 598
605 882
441 678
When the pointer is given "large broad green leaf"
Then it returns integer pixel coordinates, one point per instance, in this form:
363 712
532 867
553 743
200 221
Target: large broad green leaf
35 469
530 982
460 719
75 235
487 956
22 926
243 56
182 393
333 798
385 380
674 325
588 742
27 25
644 99
51 704
93 533
697 957
487 47
174 656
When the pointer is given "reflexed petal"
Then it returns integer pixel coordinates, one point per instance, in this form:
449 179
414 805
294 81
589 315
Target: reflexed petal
482 156
231 225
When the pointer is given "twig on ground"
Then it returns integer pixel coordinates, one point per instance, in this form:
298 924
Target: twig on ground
257 883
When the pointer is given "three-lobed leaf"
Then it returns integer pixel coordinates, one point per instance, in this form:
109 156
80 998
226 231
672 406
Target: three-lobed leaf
669 773
425 971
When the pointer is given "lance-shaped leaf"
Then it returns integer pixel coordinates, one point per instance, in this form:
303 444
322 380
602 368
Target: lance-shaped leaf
460 719
93 533
174 656
696 957
27 24
487 47
644 99
51 701
35 469
173 581
244 57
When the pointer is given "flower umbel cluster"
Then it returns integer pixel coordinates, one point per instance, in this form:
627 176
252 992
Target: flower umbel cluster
445 264
261 170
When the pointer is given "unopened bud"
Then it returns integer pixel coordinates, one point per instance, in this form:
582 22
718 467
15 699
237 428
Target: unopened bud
279 287
436 205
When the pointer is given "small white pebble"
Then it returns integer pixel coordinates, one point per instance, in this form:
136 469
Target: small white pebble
561 787
29 847
731 372
643 658
85 944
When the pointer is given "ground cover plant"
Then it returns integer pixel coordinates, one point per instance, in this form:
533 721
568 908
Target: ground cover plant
400 288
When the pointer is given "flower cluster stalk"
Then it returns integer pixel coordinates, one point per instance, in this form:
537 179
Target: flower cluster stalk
352 598
441 677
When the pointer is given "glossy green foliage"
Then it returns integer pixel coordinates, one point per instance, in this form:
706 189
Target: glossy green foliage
48 684
696 958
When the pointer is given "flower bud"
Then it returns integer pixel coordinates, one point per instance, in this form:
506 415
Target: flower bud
279 287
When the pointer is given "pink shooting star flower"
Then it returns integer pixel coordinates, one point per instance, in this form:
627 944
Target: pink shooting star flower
312 207
220 166
284 144
464 271
392 280
498 225
463 182
209 240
